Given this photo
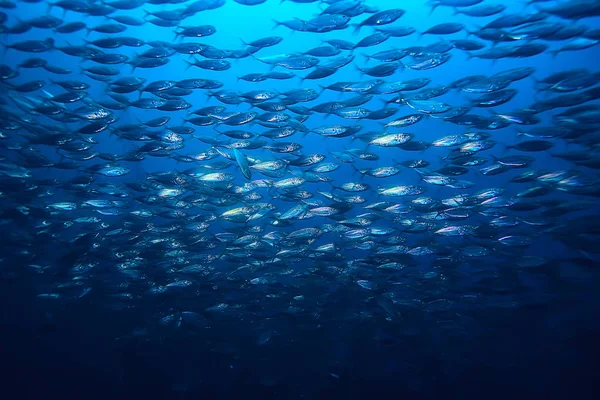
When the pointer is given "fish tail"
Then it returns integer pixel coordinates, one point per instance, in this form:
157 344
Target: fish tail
367 57
356 28
146 13
277 23
189 64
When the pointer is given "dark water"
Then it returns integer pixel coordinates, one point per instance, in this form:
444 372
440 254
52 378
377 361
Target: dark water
162 294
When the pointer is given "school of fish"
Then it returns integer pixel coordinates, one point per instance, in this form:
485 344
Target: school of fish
324 201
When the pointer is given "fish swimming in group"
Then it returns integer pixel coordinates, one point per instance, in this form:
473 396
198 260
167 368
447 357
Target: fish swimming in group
414 169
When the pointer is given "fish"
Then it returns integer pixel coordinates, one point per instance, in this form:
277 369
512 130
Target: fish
251 180
242 161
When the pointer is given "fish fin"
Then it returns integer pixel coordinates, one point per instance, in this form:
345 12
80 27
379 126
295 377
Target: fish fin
587 255
434 5
420 173
362 72
48 95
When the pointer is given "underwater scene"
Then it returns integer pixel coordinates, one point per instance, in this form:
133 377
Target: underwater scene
300 199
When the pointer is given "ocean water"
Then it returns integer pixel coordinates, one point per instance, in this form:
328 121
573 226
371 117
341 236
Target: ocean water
163 295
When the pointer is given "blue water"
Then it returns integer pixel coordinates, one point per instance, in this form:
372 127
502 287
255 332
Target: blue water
518 335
